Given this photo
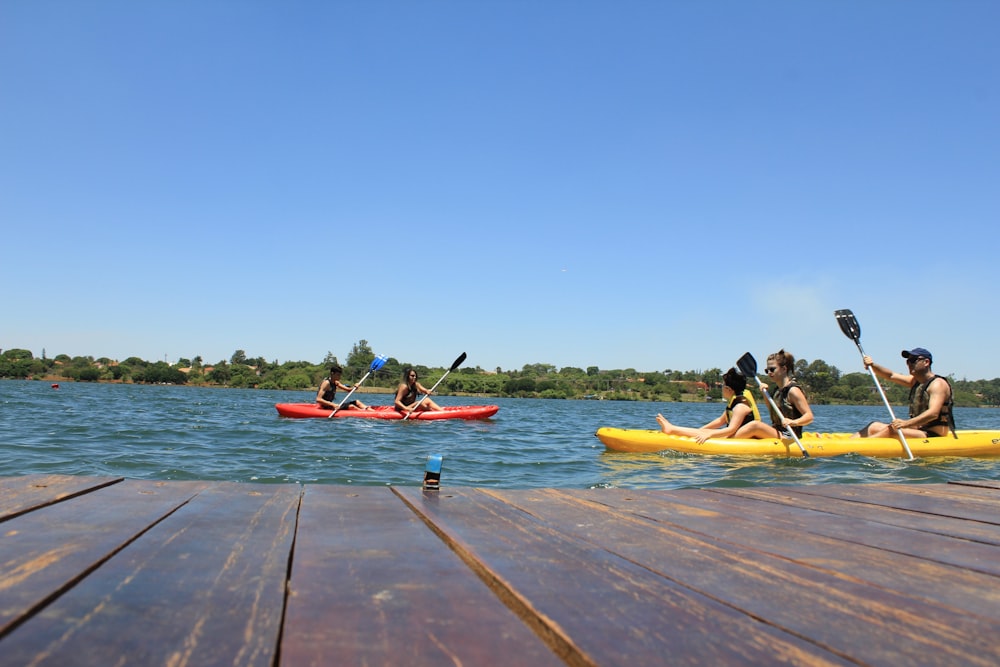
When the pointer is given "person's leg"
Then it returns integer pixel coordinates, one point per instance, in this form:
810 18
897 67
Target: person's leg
873 430
757 429
671 429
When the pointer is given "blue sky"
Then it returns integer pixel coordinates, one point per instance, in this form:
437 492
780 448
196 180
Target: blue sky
647 185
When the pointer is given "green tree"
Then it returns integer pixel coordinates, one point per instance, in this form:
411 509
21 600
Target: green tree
818 377
220 374
359 359
89 374
16 363
519 386
712 377
242 376
298 380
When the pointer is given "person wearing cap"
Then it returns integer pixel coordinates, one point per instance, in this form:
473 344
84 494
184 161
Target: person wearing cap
930 402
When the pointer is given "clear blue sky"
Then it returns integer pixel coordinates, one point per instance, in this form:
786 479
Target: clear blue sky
651 185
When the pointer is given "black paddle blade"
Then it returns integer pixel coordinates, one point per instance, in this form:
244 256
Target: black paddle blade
848 324
458 362
747 366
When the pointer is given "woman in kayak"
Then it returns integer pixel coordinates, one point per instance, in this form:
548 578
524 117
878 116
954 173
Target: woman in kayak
787 395
407 394
739 411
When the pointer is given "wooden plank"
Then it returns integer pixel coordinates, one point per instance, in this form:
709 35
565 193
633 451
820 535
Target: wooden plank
842 615
973 555
930 523
977 495
48 550
919 498
23 494
980 483
204 586
924 566
371 584
602 608
932 536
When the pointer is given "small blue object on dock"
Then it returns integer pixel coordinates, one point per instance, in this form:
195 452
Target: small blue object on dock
432 473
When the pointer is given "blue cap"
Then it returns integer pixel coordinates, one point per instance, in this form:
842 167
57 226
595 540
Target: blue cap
918 352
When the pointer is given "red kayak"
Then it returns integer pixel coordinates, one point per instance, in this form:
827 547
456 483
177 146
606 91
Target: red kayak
305 410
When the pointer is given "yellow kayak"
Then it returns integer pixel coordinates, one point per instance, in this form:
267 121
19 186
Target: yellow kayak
968 443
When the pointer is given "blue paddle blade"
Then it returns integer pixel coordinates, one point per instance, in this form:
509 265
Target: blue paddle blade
379 361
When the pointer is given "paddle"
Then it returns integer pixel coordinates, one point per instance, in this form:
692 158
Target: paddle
377 363
458 362
747 366
849 325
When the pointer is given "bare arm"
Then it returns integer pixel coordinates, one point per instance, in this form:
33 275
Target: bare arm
883 372
401 391
797 397
319 395
728 429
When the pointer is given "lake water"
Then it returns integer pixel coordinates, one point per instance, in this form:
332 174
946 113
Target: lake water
186 433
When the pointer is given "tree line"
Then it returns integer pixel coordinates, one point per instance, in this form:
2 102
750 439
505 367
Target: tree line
824 384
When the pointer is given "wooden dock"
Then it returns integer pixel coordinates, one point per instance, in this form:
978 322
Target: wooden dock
102 571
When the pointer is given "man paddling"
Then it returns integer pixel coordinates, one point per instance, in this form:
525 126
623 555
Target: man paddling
931 402
327 393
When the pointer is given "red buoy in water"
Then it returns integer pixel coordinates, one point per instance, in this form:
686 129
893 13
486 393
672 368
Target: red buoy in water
55 385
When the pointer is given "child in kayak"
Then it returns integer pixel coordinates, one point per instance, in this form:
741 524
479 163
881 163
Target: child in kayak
740 410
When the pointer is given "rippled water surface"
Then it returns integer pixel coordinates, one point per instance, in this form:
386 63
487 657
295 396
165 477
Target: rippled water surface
162 432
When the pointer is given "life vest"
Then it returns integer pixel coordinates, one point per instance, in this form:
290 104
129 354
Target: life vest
738 400
753 404
410 397
920 399
331 393
786 407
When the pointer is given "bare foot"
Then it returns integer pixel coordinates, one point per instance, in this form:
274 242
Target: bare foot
664 424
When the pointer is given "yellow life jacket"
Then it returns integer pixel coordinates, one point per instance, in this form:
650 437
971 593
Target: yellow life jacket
753 404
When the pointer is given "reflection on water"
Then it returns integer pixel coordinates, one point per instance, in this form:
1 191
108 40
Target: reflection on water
160 432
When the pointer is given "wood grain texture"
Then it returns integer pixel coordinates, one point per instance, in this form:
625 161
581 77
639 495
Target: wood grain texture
104 571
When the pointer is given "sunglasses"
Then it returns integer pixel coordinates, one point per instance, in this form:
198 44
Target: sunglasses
911 361
770 369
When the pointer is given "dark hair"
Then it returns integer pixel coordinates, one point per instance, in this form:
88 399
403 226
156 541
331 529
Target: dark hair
406 373
336 369
784 359
734 380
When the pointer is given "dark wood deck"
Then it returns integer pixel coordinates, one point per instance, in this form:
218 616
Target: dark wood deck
97 571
